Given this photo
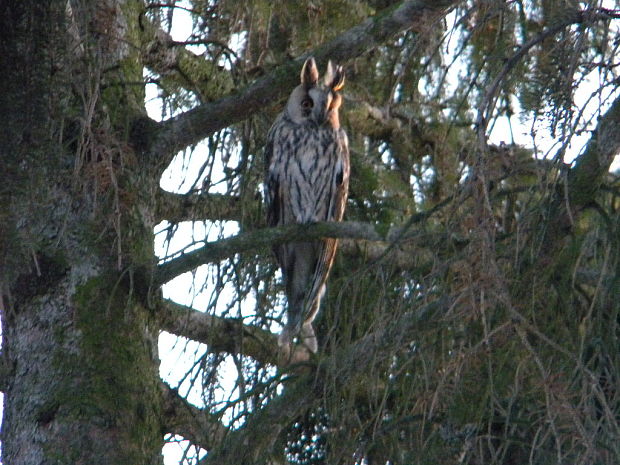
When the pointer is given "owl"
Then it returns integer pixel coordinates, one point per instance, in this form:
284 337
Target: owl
307 180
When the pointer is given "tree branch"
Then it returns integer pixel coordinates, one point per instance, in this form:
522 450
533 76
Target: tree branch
194 424
263 238
584 180
588 174
256 438
406 256
488 103
194 125
219 333
175 64
264 426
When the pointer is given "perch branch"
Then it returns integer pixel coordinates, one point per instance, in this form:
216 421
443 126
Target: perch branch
260 239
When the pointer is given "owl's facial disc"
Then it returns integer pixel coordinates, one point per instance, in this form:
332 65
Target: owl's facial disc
321 101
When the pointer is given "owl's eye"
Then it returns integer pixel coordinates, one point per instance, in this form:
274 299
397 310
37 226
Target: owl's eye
307 103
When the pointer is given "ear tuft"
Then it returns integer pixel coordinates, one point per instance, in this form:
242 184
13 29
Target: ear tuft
334 76
309 73
338 82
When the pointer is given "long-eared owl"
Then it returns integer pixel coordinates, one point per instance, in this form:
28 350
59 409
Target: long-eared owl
306 180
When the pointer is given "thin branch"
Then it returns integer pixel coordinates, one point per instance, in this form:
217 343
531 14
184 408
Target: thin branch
194 424
490 97
256 438
194 125
406 256
197 207
171 5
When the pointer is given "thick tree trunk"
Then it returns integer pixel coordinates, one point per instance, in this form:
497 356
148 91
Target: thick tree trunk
78 340
84 374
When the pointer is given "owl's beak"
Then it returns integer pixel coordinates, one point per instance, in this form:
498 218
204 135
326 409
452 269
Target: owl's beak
325 117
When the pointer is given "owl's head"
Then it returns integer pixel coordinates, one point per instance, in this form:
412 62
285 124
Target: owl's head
315 101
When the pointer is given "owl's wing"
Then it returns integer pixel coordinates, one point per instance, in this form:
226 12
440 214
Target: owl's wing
274 178
272 183
341 180
339 190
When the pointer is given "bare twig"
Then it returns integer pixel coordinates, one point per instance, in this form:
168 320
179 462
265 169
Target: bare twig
197 207
490 97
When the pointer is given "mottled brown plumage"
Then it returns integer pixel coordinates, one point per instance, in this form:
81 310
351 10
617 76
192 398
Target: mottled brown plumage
306 180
